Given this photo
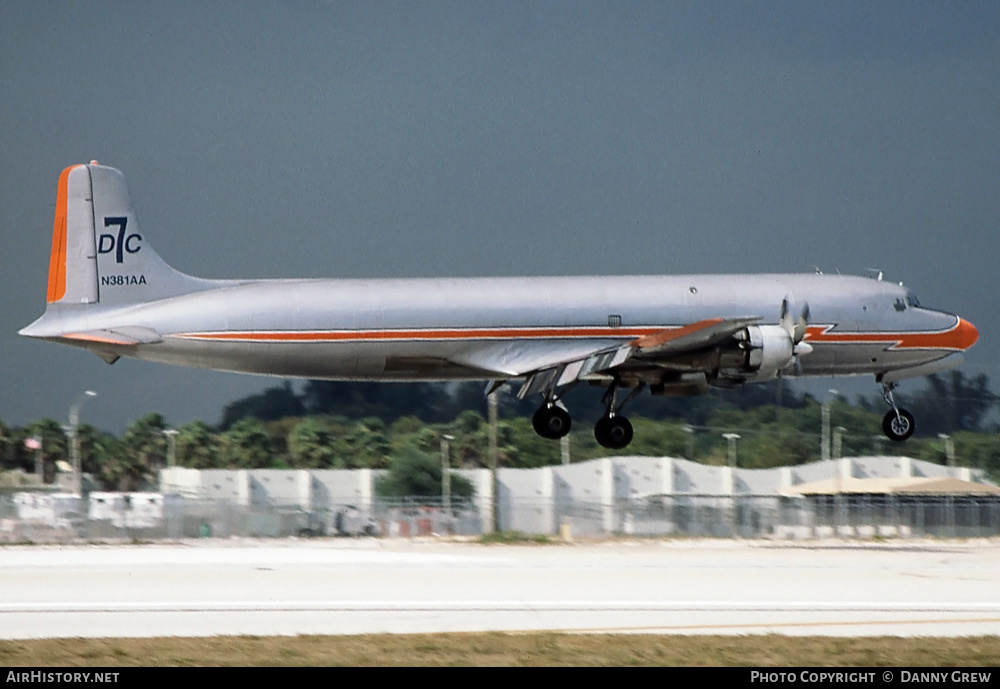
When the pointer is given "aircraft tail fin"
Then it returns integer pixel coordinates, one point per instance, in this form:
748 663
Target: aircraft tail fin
99 253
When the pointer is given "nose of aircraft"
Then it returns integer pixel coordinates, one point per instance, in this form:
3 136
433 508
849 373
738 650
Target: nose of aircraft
966 334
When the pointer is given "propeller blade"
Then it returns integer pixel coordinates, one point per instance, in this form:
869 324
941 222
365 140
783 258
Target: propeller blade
796 333
785 320
800 327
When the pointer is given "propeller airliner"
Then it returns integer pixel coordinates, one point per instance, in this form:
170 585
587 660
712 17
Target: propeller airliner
110 293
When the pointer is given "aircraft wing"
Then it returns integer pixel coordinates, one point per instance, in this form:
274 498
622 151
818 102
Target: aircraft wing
689 337
651 350
513 359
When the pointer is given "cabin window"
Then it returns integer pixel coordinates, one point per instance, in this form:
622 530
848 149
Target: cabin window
614 321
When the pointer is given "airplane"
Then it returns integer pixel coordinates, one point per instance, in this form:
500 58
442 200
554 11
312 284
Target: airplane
110 293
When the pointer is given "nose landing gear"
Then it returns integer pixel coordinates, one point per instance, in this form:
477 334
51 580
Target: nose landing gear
898 424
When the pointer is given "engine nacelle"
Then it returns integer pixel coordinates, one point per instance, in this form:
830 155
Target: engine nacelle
767 349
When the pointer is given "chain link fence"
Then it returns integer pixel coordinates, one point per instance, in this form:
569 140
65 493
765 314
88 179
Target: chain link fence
61 518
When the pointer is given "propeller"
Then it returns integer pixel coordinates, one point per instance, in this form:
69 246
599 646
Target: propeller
796 330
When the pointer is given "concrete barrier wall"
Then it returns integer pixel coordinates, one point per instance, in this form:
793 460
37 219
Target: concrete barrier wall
554 490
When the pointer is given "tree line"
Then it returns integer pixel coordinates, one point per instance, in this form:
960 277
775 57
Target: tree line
370 425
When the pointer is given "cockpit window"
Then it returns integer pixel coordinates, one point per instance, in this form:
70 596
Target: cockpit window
912 300
899 305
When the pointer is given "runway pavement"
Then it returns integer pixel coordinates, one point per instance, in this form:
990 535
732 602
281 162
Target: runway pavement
211 587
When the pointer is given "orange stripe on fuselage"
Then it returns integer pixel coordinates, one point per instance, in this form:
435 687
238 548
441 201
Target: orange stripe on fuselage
429 334
88 337
959 337
57 261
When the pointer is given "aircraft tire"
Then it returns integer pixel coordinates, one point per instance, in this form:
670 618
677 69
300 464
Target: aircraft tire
898 429
551 422
613 432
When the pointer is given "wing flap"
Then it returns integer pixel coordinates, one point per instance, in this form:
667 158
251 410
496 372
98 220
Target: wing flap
543 380
650 348
603 361
572 371
518 358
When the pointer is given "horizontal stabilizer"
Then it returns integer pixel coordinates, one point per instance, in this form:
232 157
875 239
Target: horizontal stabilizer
128 335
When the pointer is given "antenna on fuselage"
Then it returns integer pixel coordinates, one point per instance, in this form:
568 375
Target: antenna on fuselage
818 271
876 270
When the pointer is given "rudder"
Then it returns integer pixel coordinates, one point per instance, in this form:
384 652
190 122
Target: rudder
73 263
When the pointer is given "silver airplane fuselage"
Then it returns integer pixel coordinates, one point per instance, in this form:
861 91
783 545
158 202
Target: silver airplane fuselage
110 293
468 329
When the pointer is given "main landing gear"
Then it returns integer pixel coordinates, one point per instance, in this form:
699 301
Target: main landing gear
551 421
897 424
612 431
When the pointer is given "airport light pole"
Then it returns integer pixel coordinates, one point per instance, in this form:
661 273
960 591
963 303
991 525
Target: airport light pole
171 434
838 441
74 421
949 449
35 443
492 408
689 429
732 438
824 442
446 471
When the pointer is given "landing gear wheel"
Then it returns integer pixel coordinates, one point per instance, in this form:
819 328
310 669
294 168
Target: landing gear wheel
613 432
551 422
898 427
